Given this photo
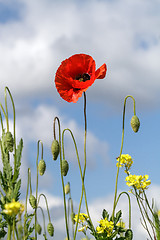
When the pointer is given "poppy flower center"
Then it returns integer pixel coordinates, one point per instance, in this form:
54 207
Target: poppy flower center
83 77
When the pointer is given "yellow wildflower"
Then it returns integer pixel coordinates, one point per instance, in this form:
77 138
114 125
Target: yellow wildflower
81 220
121 224
13 208
105 226
125 161
140 182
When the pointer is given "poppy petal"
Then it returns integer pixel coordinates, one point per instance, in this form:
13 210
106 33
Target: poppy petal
101 72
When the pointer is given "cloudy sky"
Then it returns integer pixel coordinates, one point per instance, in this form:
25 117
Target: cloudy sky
35 36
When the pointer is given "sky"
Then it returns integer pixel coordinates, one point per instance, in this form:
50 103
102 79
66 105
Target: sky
35 37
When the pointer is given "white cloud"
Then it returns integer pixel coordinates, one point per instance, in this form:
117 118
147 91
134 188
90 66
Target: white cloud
124 34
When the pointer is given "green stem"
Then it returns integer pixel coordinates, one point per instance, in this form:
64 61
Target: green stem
44 225
116 185
46 205
14 123
63 187
129 202
9 232
39 141
25 214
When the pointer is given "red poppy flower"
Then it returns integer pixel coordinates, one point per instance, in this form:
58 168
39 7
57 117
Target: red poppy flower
76 74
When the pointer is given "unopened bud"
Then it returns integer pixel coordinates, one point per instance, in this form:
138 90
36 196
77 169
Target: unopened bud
129 234
32 201
50 229
41 167
65 167
55 149
135 123
72 217
9 142
38 228
67 188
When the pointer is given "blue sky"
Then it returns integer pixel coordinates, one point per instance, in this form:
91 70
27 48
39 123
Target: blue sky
35 36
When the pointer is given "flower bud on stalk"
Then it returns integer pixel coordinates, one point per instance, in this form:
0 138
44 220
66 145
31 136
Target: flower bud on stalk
50 229
65 167
55 149
9 142
67 188
38 228
135 123
32 201
42 167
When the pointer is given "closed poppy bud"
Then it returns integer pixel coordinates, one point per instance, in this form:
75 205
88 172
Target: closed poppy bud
38 228
50 229
135 123
65 167
32 201
55 149
9 142
41 167
129 234
67 188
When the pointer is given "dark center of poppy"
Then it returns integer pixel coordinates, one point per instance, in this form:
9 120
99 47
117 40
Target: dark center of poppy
83 77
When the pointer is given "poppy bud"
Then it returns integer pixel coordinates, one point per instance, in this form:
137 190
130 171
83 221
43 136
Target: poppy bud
32 201
67 188
50 229
55 149
41 167
38 228
9 142
65 167
135 123
129 234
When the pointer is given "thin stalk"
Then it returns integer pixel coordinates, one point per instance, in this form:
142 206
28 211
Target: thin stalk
14 125
46 205
25 214
63 187
39 141
116 185
129 202
44 225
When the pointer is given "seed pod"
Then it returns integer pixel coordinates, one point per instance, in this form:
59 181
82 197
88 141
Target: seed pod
67 188
9 142
135 123
32 201
50 229
55 149
38 228
41 167
65 167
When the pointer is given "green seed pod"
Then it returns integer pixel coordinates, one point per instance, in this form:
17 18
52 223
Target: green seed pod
67 188
50 229
38 228
9 142
32 201
135 123
65 167
55 149
41 167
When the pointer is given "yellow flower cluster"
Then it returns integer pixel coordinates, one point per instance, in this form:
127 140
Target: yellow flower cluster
81 220
105 226
121 224
125 160
140 182
13 208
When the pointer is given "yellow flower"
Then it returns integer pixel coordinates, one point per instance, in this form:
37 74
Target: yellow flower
125 161
81 220
82 217
105 226
13 208
140 182
158 213
121 224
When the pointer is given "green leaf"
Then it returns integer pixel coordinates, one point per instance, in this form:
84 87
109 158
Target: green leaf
118 215
105 214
